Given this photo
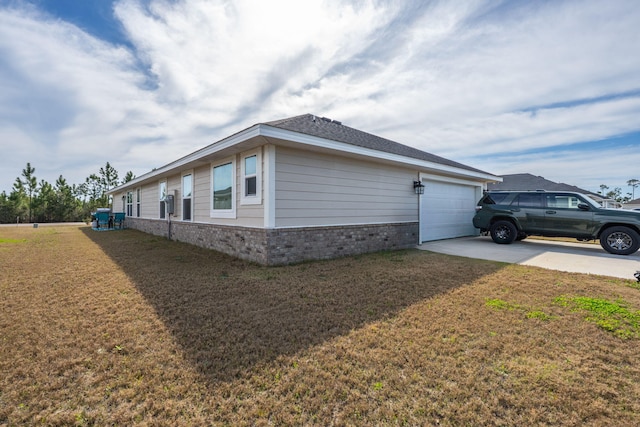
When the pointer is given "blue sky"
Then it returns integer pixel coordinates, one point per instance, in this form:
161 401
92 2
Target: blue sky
550 88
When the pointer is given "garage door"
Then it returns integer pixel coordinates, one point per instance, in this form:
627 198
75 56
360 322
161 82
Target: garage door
447 210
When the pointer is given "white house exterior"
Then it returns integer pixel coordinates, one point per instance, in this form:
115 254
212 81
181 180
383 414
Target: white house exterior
304 188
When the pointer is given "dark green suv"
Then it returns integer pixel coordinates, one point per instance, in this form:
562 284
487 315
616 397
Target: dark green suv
514 215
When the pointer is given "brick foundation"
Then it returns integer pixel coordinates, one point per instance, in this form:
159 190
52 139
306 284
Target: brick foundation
285 245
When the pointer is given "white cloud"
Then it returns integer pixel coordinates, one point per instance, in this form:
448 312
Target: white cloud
460 80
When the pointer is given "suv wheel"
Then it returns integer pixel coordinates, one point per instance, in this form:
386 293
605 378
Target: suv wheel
620 240
503 232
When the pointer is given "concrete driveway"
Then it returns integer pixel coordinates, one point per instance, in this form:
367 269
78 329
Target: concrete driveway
562 256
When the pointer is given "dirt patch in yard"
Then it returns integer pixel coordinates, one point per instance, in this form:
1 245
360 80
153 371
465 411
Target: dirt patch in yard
126 328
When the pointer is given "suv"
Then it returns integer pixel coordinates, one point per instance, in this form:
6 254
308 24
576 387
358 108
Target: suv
514 215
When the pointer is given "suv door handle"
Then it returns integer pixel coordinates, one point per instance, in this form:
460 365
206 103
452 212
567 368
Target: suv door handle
551 212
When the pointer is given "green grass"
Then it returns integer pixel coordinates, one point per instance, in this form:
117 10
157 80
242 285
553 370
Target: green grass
5 240
613 316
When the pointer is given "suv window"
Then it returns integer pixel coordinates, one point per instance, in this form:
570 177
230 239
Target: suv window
494 198
530 200
562 201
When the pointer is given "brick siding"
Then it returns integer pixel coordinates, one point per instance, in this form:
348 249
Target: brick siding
287 245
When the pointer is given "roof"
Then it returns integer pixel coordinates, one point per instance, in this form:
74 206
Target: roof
527 181
323 127
315 131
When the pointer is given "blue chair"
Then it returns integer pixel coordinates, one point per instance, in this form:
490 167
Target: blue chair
103 220
118 220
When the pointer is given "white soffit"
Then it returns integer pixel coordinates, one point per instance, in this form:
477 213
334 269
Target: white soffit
269 131
300 138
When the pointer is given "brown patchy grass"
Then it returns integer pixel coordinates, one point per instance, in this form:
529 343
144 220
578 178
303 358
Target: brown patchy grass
124 328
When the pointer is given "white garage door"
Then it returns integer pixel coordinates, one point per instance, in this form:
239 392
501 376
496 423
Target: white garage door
447 210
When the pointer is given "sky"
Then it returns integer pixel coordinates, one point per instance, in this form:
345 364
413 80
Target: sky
550 88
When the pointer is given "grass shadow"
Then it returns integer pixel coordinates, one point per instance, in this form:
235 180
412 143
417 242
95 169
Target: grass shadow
230 316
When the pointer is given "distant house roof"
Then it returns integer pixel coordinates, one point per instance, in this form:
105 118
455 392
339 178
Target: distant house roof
323 127
527 181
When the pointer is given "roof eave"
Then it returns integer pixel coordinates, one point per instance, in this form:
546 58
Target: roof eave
310 140
269 131
209 150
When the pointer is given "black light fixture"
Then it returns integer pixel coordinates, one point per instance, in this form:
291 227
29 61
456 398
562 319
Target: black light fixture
418 187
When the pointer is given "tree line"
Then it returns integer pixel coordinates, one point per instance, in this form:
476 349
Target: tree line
616 193
31 200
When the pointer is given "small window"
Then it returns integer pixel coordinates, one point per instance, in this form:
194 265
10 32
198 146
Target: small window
250 176
138 201
129 203
163 195
528 200
251 171
187 191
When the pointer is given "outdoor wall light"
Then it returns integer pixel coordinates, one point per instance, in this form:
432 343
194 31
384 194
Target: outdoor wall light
418 187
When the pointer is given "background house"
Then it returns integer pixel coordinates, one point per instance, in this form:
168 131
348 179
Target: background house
529 182
633 204
302 188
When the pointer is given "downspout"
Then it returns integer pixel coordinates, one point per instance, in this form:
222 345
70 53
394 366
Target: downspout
419 214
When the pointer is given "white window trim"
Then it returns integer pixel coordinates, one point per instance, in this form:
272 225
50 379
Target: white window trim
162 199
224 213
257 199
138 205
186 173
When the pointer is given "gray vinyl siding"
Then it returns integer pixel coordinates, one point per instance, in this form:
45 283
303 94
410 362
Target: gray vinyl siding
116 204
320 189
150 205
201 197
174 186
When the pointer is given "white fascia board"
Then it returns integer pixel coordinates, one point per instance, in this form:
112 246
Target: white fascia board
315 141
228 142
273 132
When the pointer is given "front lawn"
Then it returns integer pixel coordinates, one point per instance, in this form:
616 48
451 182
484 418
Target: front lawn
124 328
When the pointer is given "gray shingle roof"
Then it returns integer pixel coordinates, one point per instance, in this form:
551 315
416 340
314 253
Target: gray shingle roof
323 127
527 181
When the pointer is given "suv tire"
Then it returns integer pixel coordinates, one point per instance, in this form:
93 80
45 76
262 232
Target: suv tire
503 232
620 240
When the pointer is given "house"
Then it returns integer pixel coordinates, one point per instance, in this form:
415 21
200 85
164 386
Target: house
633 204
301 188
527 181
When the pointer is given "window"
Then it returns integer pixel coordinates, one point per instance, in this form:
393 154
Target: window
223 198
163 195
495 198
250 176
129 203
251 170
562 201
187 191
138 201
532 200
